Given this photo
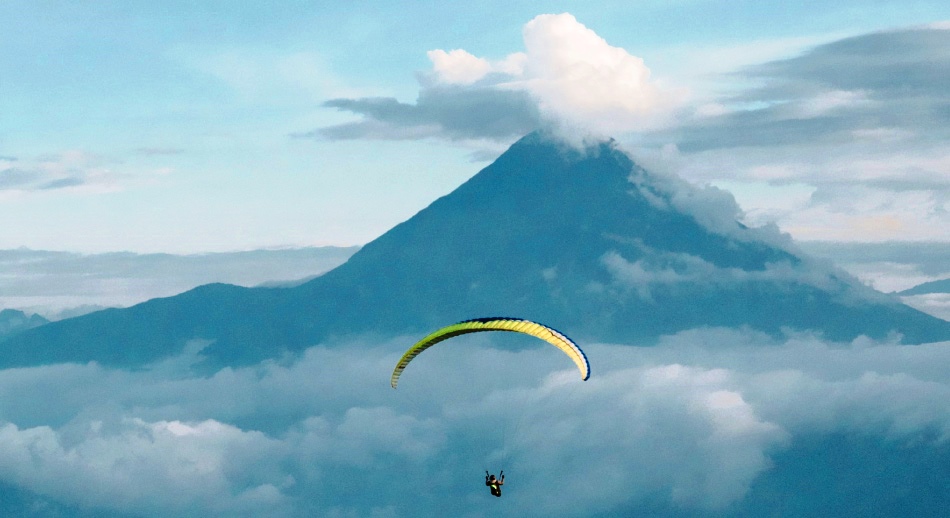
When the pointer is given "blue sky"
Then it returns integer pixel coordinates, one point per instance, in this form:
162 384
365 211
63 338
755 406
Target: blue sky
175 127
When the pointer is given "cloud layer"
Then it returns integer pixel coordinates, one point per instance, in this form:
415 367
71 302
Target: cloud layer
76 170
850 136
894 267
846 140
690 425
60 284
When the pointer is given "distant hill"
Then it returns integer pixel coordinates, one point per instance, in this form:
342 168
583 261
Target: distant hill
13 321
584 240
939 286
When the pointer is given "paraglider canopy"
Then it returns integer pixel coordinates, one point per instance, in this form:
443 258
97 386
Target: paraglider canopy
517 325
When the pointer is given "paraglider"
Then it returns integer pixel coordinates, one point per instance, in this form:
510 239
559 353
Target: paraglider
494 484
517 325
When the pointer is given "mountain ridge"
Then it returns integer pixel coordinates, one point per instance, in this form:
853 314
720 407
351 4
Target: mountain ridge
926 288
581 239
14 321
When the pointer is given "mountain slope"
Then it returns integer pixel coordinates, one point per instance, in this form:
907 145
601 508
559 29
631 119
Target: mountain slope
585 241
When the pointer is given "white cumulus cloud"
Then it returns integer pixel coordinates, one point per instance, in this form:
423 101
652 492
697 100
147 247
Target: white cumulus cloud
568 80
457 66
579 78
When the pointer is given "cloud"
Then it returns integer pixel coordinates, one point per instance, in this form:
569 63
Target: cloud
894 266
135 466
888 266
659 268
860 121
11 178
52 282
73 171
833 192
881 86
457 66
568 78
936 304
692 423
577 77
674 430
896 65
445 111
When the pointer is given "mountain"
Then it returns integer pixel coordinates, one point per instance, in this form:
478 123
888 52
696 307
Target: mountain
938 286
584 240
13 321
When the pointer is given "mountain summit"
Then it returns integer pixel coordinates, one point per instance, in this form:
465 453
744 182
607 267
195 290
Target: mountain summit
584 240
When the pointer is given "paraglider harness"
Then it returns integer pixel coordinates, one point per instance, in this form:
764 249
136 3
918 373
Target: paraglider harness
494 483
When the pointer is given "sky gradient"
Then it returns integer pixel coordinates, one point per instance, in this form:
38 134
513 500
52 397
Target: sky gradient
188 128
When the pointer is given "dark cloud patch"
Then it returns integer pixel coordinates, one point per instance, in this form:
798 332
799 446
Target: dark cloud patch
446 111
90 172
25 179
922 183
61 183
767 127
888 80
47 172
14 178
893 64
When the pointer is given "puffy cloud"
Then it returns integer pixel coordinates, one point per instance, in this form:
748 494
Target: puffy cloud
165 467
674 430
578 78
568 78
458 67
712 207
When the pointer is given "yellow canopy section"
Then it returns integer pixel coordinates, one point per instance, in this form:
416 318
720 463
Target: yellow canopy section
516 325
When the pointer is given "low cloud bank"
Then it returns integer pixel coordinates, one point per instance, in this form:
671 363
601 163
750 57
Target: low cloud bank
691 423
64 284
